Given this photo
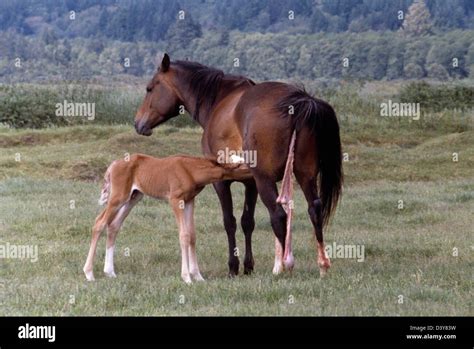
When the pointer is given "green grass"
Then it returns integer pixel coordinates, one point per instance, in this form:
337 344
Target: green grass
408 252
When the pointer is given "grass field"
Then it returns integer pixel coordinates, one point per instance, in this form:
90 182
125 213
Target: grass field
408 252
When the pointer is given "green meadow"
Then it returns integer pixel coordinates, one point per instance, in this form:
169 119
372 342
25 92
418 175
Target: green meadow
408 199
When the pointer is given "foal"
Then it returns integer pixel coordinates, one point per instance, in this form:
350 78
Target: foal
176 178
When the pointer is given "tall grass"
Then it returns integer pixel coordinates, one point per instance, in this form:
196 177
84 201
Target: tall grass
447 108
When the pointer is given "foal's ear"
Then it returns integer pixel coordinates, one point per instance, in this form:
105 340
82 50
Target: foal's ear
165 63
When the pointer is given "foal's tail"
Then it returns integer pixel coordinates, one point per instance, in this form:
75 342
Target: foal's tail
320 117
104 194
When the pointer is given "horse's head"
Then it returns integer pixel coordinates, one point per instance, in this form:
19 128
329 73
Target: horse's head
161 100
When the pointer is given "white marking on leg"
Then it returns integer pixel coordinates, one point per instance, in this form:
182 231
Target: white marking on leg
109 262
112 231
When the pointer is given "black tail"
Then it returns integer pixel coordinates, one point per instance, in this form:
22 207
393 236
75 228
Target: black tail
320 117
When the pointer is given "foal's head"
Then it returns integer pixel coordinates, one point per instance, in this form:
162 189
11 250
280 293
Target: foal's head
161 100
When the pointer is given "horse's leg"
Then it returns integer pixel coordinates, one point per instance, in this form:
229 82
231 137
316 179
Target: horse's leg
248 222
189 221
101 222
308 185
97 230
184 238
225 198
113 229
268 192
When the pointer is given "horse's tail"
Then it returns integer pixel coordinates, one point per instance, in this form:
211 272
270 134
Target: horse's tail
320 117
105 193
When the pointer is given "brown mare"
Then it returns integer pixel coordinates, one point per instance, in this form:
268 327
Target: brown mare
237 114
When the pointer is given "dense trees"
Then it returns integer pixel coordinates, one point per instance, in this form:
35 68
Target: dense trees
149 20
265 39
370 55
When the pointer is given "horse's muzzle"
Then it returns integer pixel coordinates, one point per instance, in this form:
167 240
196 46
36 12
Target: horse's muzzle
142 128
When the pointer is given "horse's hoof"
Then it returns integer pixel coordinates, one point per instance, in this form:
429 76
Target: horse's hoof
277 269
289 263
323 268
248 267
323 272
198 277
234 267
89 275
110 274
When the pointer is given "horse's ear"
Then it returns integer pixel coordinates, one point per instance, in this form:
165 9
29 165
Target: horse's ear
165 63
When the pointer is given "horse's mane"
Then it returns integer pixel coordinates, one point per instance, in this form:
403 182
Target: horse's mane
204 83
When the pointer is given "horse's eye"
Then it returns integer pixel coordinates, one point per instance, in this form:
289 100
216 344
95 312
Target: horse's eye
149 88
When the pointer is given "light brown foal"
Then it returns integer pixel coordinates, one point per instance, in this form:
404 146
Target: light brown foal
176 178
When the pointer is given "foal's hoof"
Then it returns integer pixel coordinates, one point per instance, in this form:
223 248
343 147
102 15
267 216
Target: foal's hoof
198 277
89 275
110 274
187 280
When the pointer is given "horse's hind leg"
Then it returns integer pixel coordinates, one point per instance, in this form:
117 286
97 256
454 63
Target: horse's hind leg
308 185
112 230
101 222
230 225
97 230
268 193
248 223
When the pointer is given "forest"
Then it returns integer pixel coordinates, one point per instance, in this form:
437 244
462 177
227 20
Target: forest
44 40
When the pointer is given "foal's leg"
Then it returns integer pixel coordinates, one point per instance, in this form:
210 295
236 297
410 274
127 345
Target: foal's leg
225 198
101 223
99 226
189 221
248 222
184 237
113 229
308 185
268 193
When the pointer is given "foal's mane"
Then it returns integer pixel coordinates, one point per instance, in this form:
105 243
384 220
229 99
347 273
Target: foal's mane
205 83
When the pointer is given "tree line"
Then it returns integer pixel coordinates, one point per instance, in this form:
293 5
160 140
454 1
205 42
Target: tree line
261 56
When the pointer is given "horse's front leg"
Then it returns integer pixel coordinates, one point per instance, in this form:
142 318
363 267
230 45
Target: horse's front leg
248 222
225 198
184 237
